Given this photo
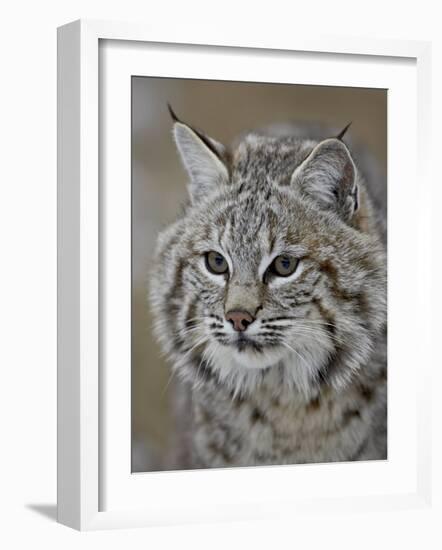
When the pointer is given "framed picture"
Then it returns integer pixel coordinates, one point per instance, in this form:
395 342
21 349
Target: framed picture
239 224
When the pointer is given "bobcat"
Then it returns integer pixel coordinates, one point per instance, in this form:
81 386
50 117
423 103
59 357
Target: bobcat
269 299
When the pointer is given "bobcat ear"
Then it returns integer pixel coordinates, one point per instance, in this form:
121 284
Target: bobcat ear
328 175
203 157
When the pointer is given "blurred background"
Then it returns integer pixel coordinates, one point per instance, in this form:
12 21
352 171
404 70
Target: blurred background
223 110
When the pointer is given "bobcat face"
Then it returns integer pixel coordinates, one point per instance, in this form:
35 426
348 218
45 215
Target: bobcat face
268 267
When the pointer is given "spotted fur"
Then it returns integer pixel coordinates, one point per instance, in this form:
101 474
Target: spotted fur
307 381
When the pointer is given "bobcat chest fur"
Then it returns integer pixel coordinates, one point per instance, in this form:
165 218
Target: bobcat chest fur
268 429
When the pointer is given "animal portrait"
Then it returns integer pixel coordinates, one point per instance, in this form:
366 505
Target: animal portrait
267 295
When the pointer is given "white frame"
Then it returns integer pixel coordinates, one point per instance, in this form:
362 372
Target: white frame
121 489
79 252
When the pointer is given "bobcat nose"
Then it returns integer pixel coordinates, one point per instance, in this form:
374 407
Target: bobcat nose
239 319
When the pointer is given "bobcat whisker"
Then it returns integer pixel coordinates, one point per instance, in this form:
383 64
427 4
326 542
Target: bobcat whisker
271 332
203 359
172 374
288 346
272 319
193 321
189 330
199 342
310 332
276 327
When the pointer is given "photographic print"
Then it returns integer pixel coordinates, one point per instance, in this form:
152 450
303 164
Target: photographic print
259 274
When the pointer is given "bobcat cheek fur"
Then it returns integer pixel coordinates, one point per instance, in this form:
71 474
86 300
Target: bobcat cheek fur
304 380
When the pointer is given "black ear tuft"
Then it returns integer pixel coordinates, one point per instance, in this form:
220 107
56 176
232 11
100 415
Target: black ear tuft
203 159
172 113
343 132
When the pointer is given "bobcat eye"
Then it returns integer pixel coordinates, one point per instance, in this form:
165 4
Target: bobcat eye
216 263
284 265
